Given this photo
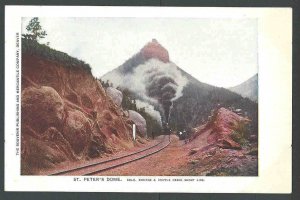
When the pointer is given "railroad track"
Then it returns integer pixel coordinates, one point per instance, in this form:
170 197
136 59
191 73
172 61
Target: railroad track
98 167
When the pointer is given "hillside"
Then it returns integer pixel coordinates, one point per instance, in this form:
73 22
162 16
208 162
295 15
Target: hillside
66 113
199 99
248 89
182 101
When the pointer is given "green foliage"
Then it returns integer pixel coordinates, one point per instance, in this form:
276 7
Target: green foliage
104 84
129 103
35 30
253 151
240 133
239 138
241 127
32 47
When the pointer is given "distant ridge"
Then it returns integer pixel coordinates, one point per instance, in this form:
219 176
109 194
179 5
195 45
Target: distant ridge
248 89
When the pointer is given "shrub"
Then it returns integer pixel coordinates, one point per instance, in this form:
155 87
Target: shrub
32 47
239 138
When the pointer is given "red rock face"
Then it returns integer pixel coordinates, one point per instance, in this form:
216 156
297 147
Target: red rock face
154 50
215 149
41 108
66 115
223 123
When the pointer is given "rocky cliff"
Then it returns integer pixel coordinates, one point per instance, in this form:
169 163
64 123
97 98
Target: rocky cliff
224 146
66 115
115 95
139 121
223 127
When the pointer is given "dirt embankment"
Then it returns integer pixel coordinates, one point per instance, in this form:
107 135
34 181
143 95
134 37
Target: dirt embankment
223 147
67 116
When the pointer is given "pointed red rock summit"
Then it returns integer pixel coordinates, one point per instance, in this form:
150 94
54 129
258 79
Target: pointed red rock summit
155 50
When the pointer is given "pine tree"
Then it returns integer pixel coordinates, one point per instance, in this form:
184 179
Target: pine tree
35 30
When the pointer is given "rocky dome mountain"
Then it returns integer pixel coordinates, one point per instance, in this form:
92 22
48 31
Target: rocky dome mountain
154 50
248 89
151 50
183 101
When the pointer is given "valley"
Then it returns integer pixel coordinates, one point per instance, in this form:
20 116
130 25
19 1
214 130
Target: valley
71 119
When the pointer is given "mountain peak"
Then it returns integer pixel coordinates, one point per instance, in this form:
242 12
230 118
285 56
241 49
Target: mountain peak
155 50
154 40
248 89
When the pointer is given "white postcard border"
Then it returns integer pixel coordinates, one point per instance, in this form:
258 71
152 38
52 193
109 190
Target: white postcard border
275 103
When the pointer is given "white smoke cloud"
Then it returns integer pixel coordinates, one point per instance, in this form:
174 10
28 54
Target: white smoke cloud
150 110
156 69
150 75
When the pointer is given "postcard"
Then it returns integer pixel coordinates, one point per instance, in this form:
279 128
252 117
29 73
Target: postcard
148 99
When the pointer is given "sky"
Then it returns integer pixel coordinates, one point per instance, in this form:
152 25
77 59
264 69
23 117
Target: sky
220 52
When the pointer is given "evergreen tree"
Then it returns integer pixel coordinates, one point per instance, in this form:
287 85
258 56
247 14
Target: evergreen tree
35 30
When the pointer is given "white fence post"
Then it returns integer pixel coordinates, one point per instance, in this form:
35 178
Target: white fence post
133 131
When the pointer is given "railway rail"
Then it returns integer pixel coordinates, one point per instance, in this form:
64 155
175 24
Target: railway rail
98 167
